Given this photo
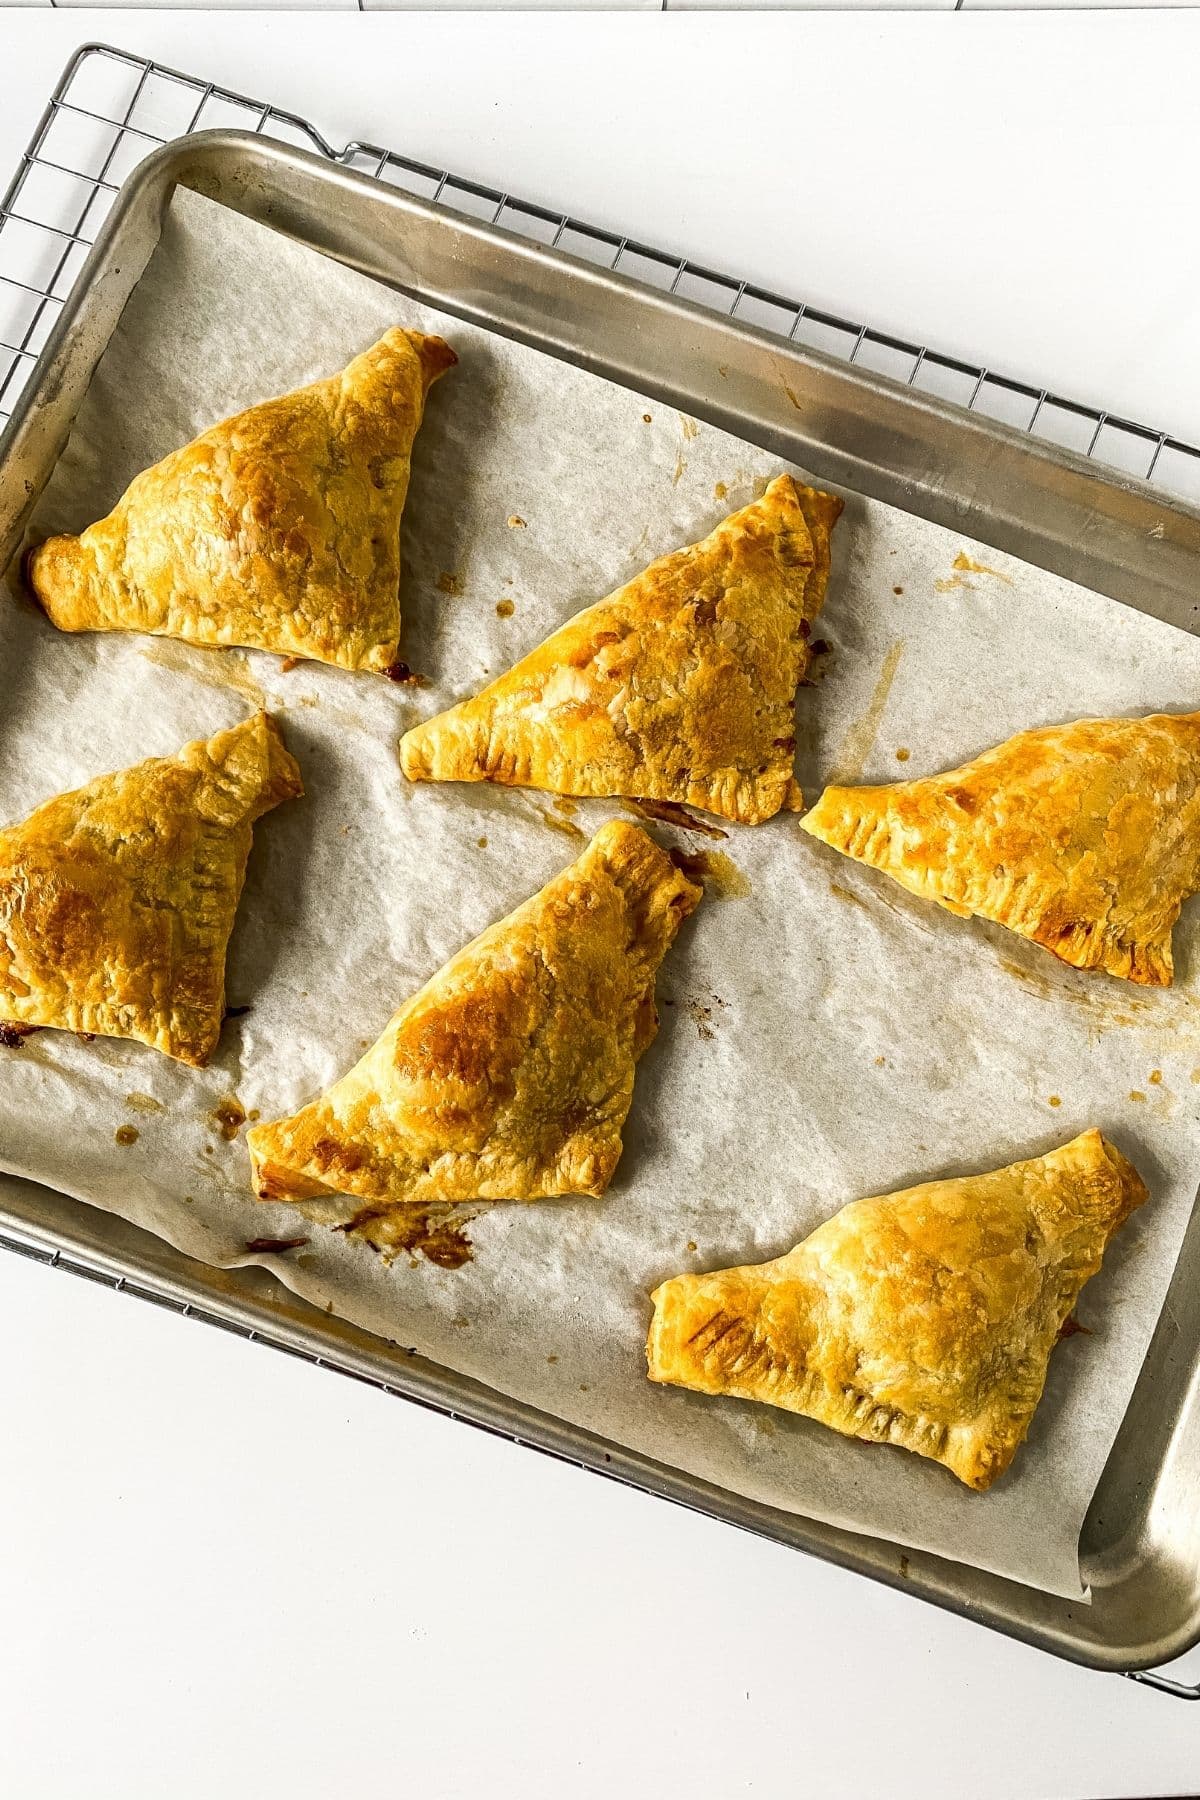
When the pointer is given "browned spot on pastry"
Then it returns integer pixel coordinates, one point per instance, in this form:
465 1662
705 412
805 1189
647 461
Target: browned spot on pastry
400 673
146 1103
269 1183
13 1036
724 1325
331 1158
1054 1100
229 1116
288 664
671 813
1155 1077
1136 1094
717 873
269 1246
516 522
504 609
449 584
1071 1327
474 1038
720 491
125 1135
902 755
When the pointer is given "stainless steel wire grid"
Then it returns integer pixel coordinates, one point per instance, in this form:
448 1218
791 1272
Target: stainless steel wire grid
112 108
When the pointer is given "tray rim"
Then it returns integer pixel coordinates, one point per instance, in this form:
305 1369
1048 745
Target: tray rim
150 185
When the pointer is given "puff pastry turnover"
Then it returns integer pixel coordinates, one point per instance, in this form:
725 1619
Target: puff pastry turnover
680 686
278 529
924 1318
117 900
509 1075
1083 837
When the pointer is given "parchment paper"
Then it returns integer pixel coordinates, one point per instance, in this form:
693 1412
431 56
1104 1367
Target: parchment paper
823 1037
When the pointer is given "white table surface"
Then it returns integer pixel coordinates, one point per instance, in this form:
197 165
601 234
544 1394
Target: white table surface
222 1572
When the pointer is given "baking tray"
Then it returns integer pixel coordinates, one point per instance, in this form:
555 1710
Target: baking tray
1140 1547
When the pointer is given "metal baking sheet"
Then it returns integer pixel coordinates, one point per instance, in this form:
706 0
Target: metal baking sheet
861 431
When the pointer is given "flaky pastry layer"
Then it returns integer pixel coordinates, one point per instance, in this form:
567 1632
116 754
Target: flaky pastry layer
278 529
117 900
924 1318
510 1074
680 686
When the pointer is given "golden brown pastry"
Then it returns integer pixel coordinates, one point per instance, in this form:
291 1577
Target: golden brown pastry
1083 837
279 528
680 686
117 900
924 1318
509 1075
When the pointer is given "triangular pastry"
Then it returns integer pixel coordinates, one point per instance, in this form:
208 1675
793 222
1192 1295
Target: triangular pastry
509 1075
924 1318
1083 837
117 900
680 686
278 529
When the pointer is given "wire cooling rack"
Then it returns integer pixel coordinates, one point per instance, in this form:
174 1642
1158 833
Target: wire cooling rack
111 109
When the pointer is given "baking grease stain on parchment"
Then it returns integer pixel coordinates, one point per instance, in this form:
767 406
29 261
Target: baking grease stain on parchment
437 1233
715 872
965 565
215 668
859 741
